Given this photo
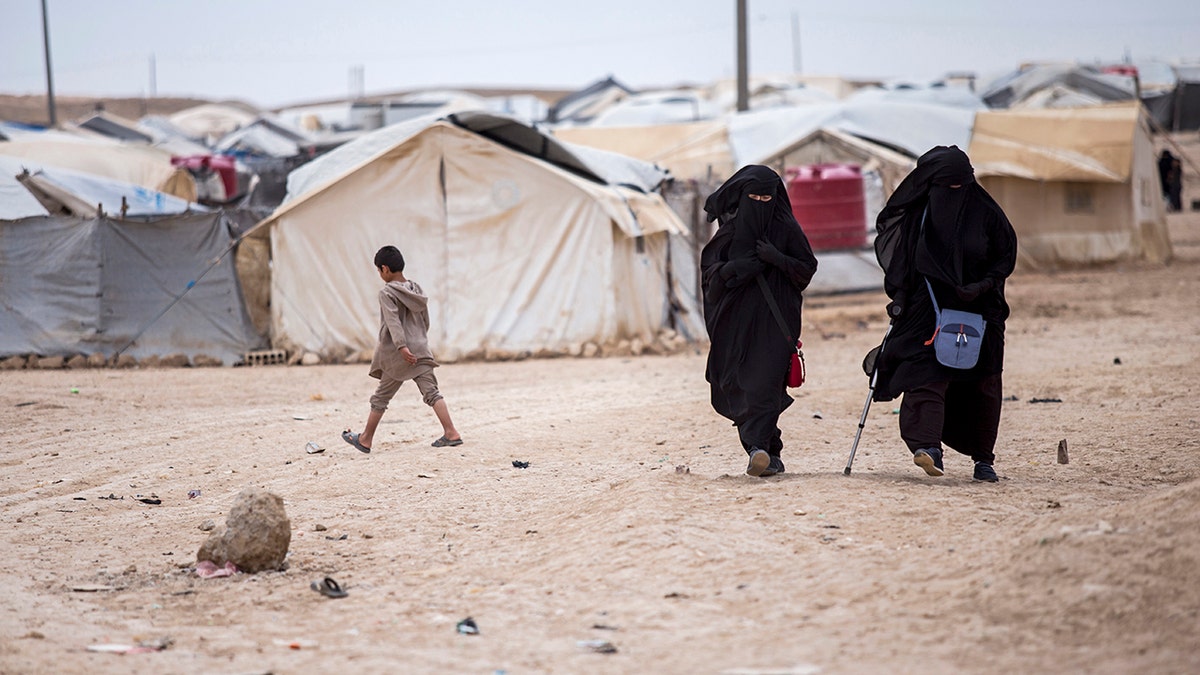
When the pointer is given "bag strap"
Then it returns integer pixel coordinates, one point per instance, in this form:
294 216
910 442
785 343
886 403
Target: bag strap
937 311
762 284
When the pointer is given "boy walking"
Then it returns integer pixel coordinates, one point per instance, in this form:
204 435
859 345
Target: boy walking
403 351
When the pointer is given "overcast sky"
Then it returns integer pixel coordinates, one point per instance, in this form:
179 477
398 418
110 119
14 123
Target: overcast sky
275 52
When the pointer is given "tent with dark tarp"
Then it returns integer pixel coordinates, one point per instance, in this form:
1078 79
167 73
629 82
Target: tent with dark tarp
140 287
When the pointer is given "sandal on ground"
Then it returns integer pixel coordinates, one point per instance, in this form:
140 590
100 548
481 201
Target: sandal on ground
352 439
328 588
444 442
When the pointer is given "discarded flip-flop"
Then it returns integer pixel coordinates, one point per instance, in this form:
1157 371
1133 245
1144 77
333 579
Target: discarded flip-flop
352 439
443 442
328 588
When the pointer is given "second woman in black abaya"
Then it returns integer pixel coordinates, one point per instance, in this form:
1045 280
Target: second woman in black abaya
749 354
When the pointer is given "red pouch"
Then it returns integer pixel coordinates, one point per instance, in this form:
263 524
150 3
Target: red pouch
795 376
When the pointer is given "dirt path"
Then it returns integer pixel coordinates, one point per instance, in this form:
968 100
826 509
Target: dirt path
1089 566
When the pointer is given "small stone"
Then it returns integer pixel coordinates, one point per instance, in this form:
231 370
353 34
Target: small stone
799 512
97 360
152 361
207 526
50 362
78 361
124 361
590 349
319 528
310 359
1062 452
174 361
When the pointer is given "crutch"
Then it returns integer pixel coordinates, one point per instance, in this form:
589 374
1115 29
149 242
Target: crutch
862 421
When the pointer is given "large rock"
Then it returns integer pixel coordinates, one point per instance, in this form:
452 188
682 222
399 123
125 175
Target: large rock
255 536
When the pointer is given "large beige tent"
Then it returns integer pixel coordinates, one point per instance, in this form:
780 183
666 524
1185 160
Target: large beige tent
1080 185
517 255
134 163
689 150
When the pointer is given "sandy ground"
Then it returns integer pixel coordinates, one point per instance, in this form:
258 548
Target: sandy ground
1092 566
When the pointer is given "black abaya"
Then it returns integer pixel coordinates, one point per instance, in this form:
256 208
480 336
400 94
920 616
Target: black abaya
942 226
749 355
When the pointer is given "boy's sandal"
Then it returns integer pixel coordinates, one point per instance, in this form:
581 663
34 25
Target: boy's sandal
443 442
352 439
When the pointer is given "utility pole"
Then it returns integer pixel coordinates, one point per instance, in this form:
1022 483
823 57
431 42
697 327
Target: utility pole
153 77
796 43
743 79
49 74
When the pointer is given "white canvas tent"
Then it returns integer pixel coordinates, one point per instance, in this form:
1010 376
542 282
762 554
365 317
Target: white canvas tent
1080 185
518 254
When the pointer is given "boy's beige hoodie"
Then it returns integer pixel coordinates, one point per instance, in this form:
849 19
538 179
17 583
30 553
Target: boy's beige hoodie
404 322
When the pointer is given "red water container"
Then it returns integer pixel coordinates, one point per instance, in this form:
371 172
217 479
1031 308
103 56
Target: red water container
828 202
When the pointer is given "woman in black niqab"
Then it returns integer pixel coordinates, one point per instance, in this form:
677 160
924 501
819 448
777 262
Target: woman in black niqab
940 225
749 355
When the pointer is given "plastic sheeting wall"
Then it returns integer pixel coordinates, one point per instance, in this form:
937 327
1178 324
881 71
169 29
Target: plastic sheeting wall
72 286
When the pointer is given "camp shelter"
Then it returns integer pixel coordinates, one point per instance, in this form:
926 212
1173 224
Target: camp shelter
519 254
138 164
1080 185
689 150
144 288
210 121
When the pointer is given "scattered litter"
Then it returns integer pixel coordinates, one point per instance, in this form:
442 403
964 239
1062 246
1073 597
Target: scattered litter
424 475
207 569
22 405
143 647
92 588
601 626
1062 452
312 448
79 499
328 588
818 416
74 390
1045 400
598 646
112 496
301 417
467 627
148 499
192 494
317 397
341 538
301 643
520 465
682 468
1011 398
1117 361
895 411
799 512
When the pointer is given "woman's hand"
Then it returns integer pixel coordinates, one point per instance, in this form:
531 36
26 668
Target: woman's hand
769 254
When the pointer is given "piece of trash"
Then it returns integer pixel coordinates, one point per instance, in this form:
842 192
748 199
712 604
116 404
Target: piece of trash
112 496
817 415
467 627
1116 361
520 465
341 538
1011 398
312 448
207 569
601 626
598 646
895 411
79 499
328 588
1045 400
301 643
192 494
1062 452
74 390
22 405
301 417
424 475
682 468
91 588
317 397
148 499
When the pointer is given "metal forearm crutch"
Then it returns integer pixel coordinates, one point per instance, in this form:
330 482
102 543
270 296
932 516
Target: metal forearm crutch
862 421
